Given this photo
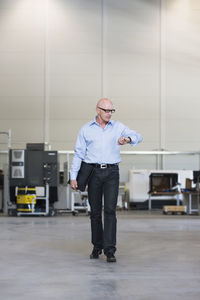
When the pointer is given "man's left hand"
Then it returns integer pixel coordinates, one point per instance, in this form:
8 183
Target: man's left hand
123 140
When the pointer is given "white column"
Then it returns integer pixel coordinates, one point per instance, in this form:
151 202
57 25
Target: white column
162 79
46 74
103 51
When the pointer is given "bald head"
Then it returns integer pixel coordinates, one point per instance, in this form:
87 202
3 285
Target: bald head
104 102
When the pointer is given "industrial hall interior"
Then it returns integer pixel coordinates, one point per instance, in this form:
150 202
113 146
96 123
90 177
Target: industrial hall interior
100 149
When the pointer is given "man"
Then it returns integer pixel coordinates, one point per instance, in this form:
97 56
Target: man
98 143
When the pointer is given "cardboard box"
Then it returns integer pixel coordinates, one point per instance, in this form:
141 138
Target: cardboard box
188 183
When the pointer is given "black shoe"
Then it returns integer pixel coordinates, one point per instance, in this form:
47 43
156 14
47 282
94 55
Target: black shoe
111 257
95 254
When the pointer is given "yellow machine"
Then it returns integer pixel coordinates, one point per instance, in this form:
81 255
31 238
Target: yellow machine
26 199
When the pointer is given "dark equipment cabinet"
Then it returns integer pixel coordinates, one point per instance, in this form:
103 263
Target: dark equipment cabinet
163 189
163 182
41 167
32 168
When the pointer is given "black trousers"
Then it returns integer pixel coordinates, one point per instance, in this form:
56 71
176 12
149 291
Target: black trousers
104 182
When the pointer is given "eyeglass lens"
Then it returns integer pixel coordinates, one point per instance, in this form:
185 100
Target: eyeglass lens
107 110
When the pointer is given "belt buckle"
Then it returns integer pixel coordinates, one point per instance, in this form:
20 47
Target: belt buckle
103 166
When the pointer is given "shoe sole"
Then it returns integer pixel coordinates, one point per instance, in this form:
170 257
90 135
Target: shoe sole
93 257
111 260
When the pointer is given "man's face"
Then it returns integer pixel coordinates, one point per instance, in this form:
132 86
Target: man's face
104 110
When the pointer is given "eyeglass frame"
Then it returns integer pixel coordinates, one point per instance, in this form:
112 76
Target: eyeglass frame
107 110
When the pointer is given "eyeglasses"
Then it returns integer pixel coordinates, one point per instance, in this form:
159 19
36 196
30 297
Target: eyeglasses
107 110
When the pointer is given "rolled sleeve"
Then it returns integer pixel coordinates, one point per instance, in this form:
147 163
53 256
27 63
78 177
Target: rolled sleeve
135 137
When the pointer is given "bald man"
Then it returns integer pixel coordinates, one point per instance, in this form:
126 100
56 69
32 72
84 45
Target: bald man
98 144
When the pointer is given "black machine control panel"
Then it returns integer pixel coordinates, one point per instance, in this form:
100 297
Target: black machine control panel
33 168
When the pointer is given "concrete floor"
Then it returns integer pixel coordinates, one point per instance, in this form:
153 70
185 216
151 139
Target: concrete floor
158 258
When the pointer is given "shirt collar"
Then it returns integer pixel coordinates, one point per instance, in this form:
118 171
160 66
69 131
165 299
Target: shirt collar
95 122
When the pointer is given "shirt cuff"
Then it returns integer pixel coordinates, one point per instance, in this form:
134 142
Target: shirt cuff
73 175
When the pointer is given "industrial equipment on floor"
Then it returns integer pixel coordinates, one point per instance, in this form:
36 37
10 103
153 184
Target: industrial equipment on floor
33 180
161 187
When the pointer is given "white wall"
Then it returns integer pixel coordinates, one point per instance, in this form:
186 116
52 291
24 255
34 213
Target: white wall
58 57
22 70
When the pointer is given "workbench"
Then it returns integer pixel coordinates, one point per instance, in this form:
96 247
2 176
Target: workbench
191 200
163 196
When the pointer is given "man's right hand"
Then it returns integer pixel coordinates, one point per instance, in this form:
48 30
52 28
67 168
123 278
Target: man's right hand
74 184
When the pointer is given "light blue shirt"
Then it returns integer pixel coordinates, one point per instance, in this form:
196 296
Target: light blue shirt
97 145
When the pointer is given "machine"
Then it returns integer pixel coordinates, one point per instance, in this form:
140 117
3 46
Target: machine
33 180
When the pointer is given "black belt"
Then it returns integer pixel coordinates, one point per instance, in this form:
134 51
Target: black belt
104 166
